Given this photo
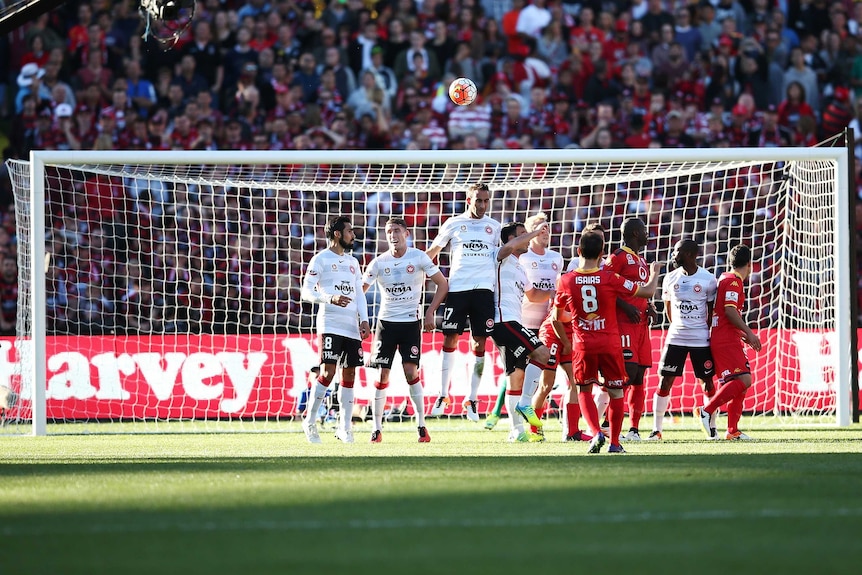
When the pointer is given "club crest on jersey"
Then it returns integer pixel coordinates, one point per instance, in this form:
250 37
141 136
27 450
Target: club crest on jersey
387 271
463 228
411 268
534 265
675 287
697 288
488 230
334 268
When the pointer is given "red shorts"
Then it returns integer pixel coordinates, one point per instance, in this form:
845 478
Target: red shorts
636 342
555 346
586 367
730 359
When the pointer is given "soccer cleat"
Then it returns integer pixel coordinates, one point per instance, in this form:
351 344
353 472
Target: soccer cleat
704 420
616 449
632 435
529 414
471 410
310 429
597 442
440 405
516 436
376 436
578 436
424 436
738 436
491 421
345 435
654 436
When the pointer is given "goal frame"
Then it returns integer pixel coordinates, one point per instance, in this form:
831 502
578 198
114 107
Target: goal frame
844 286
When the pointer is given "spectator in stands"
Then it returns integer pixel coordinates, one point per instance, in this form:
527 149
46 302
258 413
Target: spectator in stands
417 58
837 114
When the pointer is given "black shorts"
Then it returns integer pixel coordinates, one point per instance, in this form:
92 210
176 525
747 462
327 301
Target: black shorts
477 304
405 336
673 357
340 350
516 342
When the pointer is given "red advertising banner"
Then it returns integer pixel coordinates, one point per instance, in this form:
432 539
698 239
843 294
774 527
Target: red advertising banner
245 376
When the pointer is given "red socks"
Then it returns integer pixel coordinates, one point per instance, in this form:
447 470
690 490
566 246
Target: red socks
588 409
573 414
616 412
637 397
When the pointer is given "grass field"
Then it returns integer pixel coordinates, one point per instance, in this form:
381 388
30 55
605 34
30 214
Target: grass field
790 502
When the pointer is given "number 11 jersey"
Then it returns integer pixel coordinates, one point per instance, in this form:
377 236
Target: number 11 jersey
590 295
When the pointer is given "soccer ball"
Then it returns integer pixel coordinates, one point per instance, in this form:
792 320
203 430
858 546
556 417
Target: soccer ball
462 91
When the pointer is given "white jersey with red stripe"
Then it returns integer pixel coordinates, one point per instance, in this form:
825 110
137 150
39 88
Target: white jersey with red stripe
509 290
472 243
542 271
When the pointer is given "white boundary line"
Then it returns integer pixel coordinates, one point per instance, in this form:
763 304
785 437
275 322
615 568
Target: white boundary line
423 523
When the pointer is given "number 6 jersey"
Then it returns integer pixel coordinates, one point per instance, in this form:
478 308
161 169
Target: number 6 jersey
590 295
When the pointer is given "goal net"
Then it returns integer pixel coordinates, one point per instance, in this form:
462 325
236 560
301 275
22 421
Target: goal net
160 291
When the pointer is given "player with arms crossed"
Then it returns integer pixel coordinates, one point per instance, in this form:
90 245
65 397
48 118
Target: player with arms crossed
400 274
729 332
543 267
334 282
516 342
689 294
472 237
633 317
589 294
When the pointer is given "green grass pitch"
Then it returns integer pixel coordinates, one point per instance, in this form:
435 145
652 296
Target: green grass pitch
248 503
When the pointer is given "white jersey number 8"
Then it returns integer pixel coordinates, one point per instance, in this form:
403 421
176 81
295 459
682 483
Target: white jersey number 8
590 302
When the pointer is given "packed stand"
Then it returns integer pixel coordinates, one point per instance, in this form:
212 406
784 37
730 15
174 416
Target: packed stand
348 74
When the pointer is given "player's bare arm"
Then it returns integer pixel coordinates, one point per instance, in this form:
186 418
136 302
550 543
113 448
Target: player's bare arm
648 289
433 252
519 243
439 297
558 322
632 312
736 320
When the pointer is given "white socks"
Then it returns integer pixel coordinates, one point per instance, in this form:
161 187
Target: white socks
659 408
445 371
515 419
532 375
377 408
418 403
478 367
318 393
345 406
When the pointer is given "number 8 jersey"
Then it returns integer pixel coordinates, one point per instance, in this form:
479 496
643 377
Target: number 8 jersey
590 295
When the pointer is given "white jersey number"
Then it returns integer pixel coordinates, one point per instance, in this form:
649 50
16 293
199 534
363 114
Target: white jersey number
588 294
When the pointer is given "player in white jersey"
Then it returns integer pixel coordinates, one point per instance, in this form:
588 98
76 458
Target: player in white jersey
543 267
516 342
472 238
689 294
400 274
334 282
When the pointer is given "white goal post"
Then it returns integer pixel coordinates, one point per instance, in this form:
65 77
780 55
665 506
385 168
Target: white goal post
162 286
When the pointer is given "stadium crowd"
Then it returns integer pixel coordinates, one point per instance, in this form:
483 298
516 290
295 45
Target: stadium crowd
357 74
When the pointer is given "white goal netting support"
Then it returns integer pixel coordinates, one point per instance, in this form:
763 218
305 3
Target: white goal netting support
160 290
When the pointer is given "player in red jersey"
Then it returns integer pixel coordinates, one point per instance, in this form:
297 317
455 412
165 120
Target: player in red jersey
729 332
590 294
634 315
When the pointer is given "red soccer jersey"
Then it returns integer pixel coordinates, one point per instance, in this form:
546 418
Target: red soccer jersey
630 266
728 294
590 295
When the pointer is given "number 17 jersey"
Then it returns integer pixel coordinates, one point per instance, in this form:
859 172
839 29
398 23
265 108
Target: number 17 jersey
590 295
